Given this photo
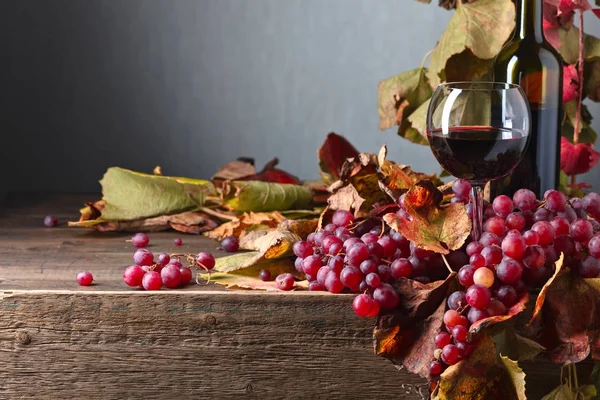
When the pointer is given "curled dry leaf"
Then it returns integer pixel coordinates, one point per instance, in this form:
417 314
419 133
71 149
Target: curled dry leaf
539 302
484 375
347 198
514 346
432 227
245 223
333 153
234 170
418 300
299 227
516 309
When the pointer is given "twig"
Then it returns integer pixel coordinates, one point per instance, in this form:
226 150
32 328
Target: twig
580 67
446 263
217 214
425 58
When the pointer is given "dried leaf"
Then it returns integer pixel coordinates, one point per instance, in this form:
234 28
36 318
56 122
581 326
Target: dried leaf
516 309
515 346
569 48
433 227
234 170
465 66
414 126
418 300
131 195
347 198
362 164
592 80
264 196
586 132
245 223
274 244
401 95
333 153
539 302
564 392
482 27
394 176
482 376
248 278
302 227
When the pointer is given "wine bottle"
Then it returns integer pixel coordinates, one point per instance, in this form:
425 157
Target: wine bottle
531 62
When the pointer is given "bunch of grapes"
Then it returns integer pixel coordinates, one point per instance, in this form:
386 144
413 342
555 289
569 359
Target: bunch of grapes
523 238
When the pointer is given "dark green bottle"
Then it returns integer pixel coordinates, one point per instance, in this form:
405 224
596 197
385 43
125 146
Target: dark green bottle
531 62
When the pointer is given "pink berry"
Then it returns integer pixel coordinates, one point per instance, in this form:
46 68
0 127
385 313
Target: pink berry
152 281
84 278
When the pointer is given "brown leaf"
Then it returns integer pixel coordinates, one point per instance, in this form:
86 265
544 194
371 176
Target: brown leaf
346 198
539 302
246 222
571 316
300 227
418 300
518 308
333 153
482 376
234 170
364 164
408 342
432 227
235 281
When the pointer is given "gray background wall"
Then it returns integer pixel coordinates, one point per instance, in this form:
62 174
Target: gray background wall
192 84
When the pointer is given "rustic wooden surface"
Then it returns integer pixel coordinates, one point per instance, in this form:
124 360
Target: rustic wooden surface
59 340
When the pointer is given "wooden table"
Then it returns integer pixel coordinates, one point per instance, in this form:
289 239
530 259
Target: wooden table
108 341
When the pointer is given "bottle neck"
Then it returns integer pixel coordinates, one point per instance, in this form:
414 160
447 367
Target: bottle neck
529 25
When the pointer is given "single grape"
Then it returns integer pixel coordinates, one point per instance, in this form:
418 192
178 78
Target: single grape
483 276
333 284
555 200
177 242
331 228
206 260
342 231
496 307
464 349
388 245
560 225
591 204
474 248
545 231
478 296
457 300
375 249
342 218
488 212
581 230
264 275
322 274
162 259
369 238
552 255
384 272
502 206
357 254
362 305
594 246
475 314
351 277
589 267
171 276
375 310
400 268
534 257
402 244
335 248
513 246
542 214
332 240
186 275
492 254
515 220
450 354
50 221
302 249
152 281
461 187
336 264
363 287
564 244
457 259
477 261
284 281
531 238
570 214
509 271
386 296
351 242
373 280
367 267
311 238
298 264
132 275
84 278
311 265
436 368
524 199
143 257
459 333
451 318
465 275
320 236
316 286
175 262
489 239
442 339
140 240
419 252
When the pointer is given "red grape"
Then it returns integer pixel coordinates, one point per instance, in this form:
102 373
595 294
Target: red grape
284 281
488 239
534 257
513 246
311 265
302 249
315 286
461 187
419 252
509 271
342 218
186 275
368 266
475 314
331 228
591 204
495 225
464 349
375 310
400 268
336 264
436 368
492 254
465 275
524 199
351 277
140 240
206 259
478 296
477 260
496 307
143 257
459 333
264 275
594 246
375 249
442 339
132 276
333 284
507 295
162 259
84 278
502 206
531 238
457 300
555 200
362 305
384 272
560 225
177 242
388 245
369 238
351 242
373 280
386 296
515 220
152 281
589 267
322 274
320 236
581 230
474 248
50 221
564 244
171 276
546 232
357 254
450 354
451 318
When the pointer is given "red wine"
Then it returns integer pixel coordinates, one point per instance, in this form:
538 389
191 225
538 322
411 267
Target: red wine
478 153
531 62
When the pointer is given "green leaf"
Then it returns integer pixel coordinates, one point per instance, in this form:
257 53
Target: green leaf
560 393
264 196
133 195
569 45
414 128
465 66
586 132
515 346
592 80
482 26
517 376
401 95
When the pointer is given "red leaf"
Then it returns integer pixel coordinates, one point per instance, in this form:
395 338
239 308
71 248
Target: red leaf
333 153
577 158
276 175
596 12
417 300
513 311
571 84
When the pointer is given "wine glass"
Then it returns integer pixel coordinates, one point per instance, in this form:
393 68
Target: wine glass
478 131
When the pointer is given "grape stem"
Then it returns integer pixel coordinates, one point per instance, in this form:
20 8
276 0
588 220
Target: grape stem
446 263
580 67
217 214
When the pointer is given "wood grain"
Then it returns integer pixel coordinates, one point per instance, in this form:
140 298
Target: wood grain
107 341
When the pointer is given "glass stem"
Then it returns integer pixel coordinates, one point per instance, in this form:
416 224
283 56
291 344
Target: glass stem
477 215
